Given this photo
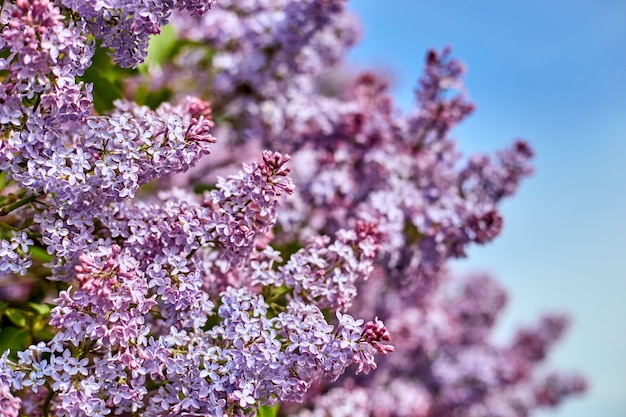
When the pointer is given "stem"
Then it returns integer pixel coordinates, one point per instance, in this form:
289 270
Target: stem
278 293
154 385
46 404
84 352
32 235
37 101
8 227
7 209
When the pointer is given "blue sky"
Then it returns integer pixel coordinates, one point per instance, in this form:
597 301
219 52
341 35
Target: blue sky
553 73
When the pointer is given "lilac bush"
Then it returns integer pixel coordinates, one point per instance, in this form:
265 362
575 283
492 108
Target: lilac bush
300 269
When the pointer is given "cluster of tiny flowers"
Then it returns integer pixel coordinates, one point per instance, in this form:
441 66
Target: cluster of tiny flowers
111 157
10 405
126 26
404 178
355 156
444 357
265 59
65 160
170 322
161 317
115 154
244 206
402 398
43 53
324 273
247 291
14 256
357 159
116 317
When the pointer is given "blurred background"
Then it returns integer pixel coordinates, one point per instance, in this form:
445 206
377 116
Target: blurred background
553 73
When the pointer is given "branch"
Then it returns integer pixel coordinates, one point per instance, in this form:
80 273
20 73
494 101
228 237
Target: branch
7 209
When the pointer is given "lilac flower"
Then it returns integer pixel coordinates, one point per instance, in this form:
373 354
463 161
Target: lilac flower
326 273
117 154
9 404
14 254
250 293
266 56
125 26
140 307
555 387
45 54
444 354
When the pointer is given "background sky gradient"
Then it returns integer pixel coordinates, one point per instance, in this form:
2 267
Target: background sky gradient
553 73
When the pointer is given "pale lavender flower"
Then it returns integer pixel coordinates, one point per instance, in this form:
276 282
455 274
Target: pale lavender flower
250 294
326 272
126 26
14 255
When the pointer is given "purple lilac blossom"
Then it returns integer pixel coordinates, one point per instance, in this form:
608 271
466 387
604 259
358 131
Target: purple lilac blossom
245 360
418 194
14 255
149 308
265 59
445 355
325 273
356 158
45 54
183 304
65 160
111 157
126 26
39 93
10 405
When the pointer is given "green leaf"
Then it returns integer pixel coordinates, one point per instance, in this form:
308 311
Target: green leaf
105 92
107 79
328 314
267 411
17 316
44 335
3 308
39 253
202 187
40 309
155 98
160 48
14 339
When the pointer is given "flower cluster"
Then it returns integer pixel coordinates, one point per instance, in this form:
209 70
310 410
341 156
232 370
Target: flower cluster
323 272
407 177
445 361
14 257
9 404
109 159
64 159
43 53
132 335
266 56
168 320
355 157
242 286
126 26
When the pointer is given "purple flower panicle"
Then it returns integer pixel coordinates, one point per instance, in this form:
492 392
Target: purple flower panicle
247 292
